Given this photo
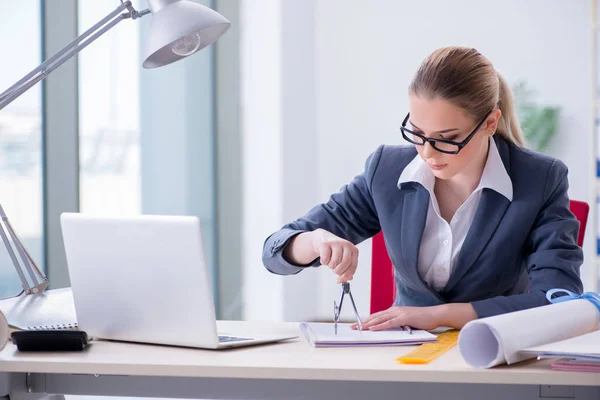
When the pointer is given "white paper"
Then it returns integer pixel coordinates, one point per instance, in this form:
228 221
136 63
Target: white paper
585 346
320 333
488 342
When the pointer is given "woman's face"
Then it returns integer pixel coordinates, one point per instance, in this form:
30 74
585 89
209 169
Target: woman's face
440 119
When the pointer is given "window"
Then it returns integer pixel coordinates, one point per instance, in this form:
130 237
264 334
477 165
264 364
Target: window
146 136
21 193
109 122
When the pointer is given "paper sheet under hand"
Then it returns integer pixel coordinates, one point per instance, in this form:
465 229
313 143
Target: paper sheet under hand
491 341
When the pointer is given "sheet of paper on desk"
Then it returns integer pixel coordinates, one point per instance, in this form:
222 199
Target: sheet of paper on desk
585 347
320 334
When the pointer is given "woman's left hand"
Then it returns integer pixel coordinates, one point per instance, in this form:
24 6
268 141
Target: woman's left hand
416 317
451 315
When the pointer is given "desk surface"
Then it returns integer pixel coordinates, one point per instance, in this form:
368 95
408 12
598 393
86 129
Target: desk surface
295 359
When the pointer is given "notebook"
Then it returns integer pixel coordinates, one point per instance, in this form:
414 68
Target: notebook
584 347
321 334
49 310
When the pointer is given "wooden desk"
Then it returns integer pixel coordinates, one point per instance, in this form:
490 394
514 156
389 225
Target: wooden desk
289 370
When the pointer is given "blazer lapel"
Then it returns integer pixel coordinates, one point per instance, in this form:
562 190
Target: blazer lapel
490 212
414 215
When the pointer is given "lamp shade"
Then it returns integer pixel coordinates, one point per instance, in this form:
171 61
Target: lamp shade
179 28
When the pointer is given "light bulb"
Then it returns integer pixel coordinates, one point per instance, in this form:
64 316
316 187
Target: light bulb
186 45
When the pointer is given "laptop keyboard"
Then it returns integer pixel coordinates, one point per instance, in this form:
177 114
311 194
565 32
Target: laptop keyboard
227 339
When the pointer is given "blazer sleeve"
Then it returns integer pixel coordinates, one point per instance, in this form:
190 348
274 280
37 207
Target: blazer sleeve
349 214
554 257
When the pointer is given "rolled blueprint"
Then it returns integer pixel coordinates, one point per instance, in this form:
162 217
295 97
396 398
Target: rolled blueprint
491 341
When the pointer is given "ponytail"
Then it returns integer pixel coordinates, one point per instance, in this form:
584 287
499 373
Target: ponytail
508 125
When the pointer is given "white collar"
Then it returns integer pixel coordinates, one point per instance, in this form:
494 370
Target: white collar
494 174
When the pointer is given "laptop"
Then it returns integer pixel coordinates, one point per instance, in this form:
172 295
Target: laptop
144 279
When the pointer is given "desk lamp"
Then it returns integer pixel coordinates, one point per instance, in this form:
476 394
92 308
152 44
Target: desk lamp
178 28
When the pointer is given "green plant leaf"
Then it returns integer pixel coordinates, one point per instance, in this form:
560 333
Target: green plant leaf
538 123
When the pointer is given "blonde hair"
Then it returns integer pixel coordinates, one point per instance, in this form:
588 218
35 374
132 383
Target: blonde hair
467 79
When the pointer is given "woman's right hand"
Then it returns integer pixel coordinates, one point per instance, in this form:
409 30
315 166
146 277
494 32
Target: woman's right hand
340 255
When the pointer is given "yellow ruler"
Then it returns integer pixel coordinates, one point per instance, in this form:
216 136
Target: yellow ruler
429 351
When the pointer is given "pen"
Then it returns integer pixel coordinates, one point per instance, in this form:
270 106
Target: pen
408 329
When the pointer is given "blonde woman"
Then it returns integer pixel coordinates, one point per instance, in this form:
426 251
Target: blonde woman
475 224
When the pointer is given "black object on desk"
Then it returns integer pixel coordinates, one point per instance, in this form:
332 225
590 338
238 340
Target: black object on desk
50 340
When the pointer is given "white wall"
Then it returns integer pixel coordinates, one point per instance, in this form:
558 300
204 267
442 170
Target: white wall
279 135
261 143
365 57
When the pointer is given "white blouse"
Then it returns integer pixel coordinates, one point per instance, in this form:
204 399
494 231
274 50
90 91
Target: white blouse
442 241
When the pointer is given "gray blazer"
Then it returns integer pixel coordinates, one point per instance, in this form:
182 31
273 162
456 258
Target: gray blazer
513 253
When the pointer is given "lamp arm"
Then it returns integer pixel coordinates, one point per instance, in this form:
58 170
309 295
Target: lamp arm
63 55
38 278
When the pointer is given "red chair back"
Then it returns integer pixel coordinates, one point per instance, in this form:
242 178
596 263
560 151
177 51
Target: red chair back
383 284
581 209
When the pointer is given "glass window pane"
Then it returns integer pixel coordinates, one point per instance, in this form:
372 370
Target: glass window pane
146 136
109 148
21 193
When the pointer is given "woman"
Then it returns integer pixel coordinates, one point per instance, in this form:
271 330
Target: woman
475 224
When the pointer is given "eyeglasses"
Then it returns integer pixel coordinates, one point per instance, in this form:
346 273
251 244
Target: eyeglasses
441 145
337 309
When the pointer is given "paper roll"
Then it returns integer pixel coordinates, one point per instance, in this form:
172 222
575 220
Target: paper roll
491 341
